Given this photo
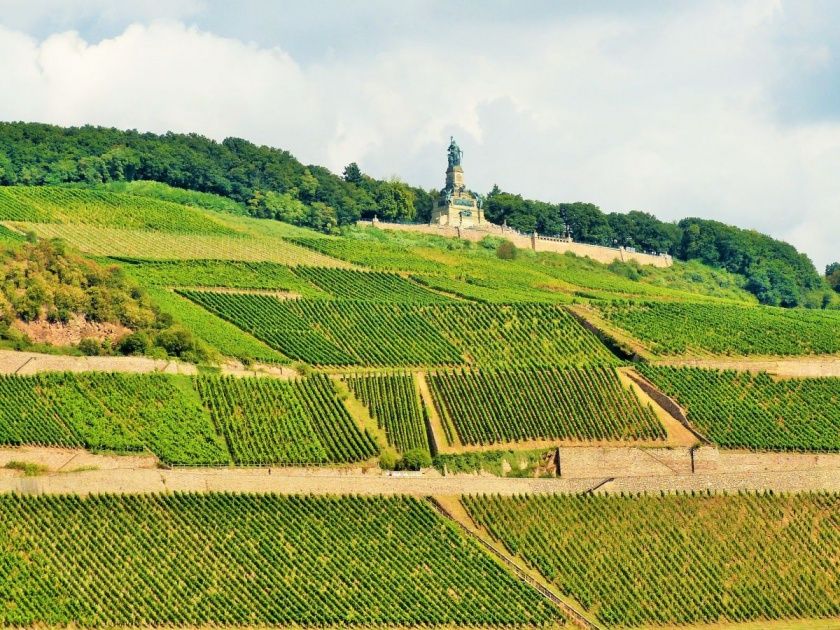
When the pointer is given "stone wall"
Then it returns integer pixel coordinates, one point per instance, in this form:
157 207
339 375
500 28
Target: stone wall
534 242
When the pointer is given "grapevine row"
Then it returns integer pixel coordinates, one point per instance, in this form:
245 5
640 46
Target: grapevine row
188 560
588 404
50 204
368 286
678 559
394 402
740 409
679 328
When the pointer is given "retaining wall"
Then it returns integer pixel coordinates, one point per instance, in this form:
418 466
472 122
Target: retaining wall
534 242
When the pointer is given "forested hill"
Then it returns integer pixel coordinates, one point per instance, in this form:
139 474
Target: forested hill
271 183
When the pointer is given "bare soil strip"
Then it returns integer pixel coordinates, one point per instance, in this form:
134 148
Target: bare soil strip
791 367
678 434
28 363
631 470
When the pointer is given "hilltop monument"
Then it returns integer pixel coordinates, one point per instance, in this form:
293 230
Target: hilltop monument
456 206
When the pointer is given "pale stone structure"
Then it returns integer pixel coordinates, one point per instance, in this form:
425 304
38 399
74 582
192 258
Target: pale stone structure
459 213
456 206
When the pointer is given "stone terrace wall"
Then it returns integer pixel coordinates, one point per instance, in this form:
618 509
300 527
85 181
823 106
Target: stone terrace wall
534 241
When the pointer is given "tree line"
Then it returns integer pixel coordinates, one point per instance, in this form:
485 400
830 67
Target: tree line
272 183
776 273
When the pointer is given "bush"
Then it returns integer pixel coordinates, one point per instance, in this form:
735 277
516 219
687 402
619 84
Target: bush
177 341
415 459
506 251
90 347
135 343
388 459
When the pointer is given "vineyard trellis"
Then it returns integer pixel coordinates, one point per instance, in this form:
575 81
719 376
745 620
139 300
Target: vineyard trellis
154 245
490 406
394 402
685 328
739 409
369 286
247 560
50 204
267 421
678 559
324 332
118 412
343 333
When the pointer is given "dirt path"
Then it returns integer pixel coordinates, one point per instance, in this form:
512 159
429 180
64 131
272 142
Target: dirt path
678 435
71 460
793 367
609 469
23 363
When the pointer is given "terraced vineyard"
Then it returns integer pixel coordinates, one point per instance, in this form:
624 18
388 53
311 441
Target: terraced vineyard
678 559
382 256
86 206
153 245
217 273
743 410
9 236
369 286
518 335
118 412
677 329
324 332
491 406
492 291
218 334
267 421
234 560
394 402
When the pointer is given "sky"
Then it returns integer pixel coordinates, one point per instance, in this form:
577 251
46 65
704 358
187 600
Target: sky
727 110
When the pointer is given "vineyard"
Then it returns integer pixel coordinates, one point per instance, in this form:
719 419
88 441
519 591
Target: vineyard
36 204
267 421
117 412
740 409
369 286
183 420
149 245
217 273
518 335
245 560
8 236
382 256
324 332
217 333
394 402
586 404
678 559
491 290
676 329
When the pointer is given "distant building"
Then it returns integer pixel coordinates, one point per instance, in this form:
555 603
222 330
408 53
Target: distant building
456 206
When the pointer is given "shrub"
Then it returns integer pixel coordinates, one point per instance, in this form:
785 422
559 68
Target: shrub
90 347
506 251
415 459
388 459
135 343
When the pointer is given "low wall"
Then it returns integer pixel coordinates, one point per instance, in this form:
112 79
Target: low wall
535 242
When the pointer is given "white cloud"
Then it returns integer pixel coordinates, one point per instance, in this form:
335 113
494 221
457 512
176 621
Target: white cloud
674 114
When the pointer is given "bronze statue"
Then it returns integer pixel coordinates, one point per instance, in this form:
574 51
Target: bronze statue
455 153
